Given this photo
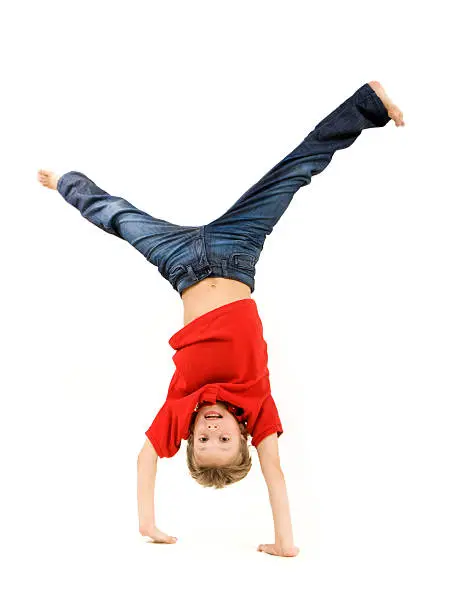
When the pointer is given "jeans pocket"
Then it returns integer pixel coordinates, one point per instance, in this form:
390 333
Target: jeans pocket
243 261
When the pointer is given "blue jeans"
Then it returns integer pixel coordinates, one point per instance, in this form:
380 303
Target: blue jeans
230 245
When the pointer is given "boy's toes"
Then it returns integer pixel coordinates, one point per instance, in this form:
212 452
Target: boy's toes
396 115
47 178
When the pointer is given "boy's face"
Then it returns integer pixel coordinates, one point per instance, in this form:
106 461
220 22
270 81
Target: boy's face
216 440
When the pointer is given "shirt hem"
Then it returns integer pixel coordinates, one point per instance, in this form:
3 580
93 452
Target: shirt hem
207 317
155 444
275 429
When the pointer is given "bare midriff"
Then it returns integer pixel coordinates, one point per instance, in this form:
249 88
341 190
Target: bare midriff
211 293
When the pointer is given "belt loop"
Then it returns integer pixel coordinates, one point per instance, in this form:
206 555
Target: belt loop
191 271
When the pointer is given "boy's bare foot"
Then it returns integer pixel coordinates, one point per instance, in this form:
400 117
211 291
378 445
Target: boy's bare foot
48 179
393 111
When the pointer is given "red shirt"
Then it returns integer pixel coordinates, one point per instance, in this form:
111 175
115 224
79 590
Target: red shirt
220 356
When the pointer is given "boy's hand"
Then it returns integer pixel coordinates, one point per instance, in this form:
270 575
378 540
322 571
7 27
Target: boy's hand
278 550
157 536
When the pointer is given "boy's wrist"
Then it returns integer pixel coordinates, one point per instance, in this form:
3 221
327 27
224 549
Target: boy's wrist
284 542
146 522
285 536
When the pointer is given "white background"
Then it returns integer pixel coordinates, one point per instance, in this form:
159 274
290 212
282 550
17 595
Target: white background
180 107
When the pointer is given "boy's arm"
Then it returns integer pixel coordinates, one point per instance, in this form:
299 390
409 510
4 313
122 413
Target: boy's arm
147 466
273 474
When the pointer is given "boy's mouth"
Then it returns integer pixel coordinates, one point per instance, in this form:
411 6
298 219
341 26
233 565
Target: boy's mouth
212 414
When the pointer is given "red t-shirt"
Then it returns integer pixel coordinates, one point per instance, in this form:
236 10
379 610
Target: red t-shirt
220 356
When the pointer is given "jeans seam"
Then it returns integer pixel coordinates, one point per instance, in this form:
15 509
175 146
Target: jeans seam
59 184
373 94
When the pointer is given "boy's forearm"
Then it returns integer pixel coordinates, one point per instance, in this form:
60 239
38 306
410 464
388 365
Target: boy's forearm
276 487
146 490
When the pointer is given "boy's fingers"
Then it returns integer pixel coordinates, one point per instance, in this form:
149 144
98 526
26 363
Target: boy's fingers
263 548
170 539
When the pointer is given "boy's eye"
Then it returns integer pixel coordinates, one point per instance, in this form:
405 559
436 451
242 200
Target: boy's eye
225 438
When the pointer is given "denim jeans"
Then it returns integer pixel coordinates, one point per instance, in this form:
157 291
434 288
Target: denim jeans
230 245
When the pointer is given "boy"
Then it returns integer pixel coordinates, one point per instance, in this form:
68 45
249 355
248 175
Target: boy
220 390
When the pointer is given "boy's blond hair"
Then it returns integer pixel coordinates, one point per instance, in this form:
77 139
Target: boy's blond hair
221 476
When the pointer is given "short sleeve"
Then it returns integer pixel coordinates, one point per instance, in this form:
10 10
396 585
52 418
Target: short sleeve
267 422
162 433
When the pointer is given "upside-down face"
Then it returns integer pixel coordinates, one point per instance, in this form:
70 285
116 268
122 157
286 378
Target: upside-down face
217 436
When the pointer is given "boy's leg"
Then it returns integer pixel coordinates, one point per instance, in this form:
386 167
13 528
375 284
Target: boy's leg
254 215
162 243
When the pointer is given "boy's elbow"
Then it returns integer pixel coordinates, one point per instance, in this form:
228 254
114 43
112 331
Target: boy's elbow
272 468
274 477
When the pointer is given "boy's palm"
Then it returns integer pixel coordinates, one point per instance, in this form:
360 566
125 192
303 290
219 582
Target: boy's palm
279 551
158 536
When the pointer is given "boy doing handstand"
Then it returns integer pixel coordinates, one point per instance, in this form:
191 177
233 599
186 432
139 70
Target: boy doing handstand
220 391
